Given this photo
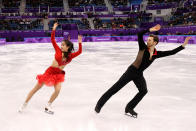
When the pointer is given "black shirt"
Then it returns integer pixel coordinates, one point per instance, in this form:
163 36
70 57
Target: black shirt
143 58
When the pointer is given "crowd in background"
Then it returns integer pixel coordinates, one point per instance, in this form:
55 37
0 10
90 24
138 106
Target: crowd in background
157 2
21 24
184 15
86 2
116 23
181 16
50 3
11 3
119 2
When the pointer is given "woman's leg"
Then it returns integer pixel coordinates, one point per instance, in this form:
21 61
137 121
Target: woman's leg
48 108
29 96
57 88
33 91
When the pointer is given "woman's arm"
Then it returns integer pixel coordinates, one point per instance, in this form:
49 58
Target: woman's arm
56 47
75 54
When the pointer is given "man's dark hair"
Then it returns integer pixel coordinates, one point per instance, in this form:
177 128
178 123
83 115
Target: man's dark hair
155 38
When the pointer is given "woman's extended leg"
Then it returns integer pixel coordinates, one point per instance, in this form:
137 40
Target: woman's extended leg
29 96
33 91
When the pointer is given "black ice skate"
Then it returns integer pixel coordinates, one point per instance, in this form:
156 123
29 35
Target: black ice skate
131 113
97 109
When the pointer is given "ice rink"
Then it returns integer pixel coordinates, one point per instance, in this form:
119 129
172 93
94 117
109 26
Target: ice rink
170 104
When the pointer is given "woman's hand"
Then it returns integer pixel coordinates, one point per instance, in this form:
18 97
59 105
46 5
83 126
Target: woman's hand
55 26
155 28
80 38
186 41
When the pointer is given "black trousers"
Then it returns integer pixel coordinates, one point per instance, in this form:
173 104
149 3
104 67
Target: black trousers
131 74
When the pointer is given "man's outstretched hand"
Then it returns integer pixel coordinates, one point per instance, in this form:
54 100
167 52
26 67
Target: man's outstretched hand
186 41
155 28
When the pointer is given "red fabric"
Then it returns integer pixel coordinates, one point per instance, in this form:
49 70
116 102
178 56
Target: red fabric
155 51
51 77
58 52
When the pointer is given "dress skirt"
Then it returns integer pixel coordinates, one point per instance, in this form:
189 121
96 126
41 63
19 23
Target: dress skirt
51 77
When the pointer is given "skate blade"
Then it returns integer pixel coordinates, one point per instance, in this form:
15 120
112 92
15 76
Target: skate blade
19 111
49 112
130 115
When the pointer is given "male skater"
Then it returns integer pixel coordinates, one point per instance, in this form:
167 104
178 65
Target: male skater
146 55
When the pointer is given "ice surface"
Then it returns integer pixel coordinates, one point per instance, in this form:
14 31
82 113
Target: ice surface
169 105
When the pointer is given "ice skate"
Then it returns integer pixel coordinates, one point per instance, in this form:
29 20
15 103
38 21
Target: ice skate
131 113
21 109
48 109
97 110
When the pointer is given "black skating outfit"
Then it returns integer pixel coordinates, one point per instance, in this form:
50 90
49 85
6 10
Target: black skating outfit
135 73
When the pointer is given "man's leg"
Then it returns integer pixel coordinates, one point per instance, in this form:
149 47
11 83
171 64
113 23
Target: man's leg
141 85
125 78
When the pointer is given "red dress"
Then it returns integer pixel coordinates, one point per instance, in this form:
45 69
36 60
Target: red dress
53 75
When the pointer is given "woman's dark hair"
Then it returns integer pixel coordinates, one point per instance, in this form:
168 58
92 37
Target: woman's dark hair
71 48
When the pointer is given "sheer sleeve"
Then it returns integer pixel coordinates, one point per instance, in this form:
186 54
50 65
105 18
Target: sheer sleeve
141 42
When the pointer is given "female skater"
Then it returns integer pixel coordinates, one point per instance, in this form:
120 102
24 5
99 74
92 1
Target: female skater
54 75
146 55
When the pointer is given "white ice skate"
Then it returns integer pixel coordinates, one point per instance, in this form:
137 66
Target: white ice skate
48 109
21 109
